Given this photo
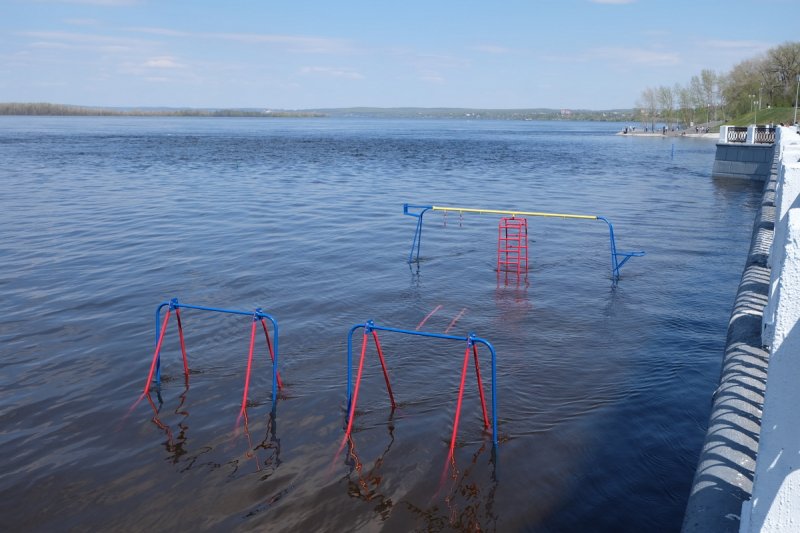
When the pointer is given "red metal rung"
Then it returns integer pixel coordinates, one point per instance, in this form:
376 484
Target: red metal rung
512 245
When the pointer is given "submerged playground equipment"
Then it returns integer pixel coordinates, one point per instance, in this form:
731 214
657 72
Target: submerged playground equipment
257 316
512 247
371 329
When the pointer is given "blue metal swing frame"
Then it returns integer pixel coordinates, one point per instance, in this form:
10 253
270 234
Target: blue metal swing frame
470 339
257 314
618 258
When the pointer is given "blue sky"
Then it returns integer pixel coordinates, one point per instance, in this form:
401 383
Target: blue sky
595 54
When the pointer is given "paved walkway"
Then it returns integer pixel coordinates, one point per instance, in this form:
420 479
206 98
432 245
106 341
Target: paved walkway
689 132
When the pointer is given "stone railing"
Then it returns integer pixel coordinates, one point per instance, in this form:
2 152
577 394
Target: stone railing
752 134
764 135
736 134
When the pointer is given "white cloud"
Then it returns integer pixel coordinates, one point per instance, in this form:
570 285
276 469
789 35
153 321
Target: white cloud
658 34
82 38
491 49
620 57
432 77
159 31
48 84
296 43
107 3
435 61
332 72
81 22
743 45
293 43
638 57
165 62
49 45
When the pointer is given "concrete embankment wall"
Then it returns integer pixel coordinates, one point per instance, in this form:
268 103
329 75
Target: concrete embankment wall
747 161
774 505
736 450
724 475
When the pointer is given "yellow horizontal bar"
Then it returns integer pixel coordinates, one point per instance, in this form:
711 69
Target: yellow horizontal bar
512 213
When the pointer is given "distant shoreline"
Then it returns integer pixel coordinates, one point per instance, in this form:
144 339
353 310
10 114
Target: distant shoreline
62 110
48 109
681 133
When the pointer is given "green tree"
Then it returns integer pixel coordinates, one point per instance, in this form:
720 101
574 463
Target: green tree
648 107
769 79
684 95
783 66
666 103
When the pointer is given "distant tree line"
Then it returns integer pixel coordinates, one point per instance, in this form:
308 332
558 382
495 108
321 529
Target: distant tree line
469 113
71 110
623 115
768 80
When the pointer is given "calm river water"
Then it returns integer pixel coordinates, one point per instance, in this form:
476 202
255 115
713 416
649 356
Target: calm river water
603 394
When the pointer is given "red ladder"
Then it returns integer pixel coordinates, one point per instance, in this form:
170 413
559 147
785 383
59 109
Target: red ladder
512 245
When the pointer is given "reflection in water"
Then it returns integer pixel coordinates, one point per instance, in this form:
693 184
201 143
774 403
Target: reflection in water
462 501
467 503
175 446
413 268
366 484
265 454
517 280
512 301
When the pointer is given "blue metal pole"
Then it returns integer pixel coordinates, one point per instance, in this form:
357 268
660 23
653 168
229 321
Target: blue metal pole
494 387
417 241
613 247
275 363
616 264
259 314
419 333
218 310
171 303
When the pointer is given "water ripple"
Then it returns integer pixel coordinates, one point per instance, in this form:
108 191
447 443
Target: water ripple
602 393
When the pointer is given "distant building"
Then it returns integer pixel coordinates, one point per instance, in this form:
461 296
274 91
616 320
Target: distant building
566 113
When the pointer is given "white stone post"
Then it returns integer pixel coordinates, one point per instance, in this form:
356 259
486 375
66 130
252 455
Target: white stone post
723 134
751 134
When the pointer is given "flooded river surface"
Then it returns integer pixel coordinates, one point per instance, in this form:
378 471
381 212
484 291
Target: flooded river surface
603 393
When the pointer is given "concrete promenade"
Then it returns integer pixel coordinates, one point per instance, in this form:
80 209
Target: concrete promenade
689 133
741 479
